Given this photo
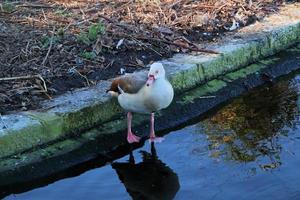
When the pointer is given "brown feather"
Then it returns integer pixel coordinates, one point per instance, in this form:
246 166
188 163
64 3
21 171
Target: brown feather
130 83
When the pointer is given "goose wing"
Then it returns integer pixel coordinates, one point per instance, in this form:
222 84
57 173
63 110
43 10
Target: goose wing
129 83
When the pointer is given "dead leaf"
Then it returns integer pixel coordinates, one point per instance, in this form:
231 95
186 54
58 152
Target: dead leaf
227 138
97 47
235 25
139 62
119 43
181 43
165 30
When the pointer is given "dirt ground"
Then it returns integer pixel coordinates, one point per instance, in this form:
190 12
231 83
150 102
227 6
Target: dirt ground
50 47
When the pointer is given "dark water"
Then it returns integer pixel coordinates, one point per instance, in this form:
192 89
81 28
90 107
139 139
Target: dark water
249 149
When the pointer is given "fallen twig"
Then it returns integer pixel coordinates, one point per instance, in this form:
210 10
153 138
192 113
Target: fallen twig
34 6
44 83
149 47
50 46
26 77
83 76
207 97
19 77
109 64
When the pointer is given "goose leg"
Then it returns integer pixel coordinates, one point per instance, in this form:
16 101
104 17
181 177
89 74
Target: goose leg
131 138
153 138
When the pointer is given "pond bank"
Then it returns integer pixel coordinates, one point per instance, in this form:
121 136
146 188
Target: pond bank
78 127
99 146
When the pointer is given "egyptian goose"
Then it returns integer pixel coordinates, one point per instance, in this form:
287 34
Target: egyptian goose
144 93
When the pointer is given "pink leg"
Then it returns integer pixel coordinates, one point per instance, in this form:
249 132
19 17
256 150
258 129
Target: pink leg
131 138
153 138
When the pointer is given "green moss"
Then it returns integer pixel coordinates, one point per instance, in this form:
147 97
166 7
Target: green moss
52 126
235 57
31 157
245 71
188 79
203 90
269 61
91 116
296 49
49 128
252 52
120 124
177 81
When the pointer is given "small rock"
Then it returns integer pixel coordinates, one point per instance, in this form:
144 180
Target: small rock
122 71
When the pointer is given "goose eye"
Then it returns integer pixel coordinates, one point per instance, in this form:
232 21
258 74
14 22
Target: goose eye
156 72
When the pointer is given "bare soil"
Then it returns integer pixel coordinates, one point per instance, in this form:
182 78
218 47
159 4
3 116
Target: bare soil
50 47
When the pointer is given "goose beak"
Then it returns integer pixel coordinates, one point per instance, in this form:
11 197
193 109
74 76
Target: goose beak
150 80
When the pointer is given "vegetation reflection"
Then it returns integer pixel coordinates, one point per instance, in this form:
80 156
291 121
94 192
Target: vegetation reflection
251 126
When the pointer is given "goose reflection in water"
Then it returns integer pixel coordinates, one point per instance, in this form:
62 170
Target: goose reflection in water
150 179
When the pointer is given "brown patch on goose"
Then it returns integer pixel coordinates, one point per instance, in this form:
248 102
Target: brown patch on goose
130 83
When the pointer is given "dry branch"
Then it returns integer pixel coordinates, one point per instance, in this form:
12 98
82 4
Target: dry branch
34 6
50 46
19 78
24 78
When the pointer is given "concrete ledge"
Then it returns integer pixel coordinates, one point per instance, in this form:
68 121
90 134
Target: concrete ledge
72 113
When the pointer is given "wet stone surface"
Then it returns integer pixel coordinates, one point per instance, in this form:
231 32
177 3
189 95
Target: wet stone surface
248 149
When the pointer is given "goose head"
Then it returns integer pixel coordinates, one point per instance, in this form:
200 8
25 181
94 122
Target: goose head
156 72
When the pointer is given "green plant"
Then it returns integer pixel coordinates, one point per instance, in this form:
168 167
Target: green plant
57 37
61 32
92 34
7 7
88 55
95 30
46 40
83 38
